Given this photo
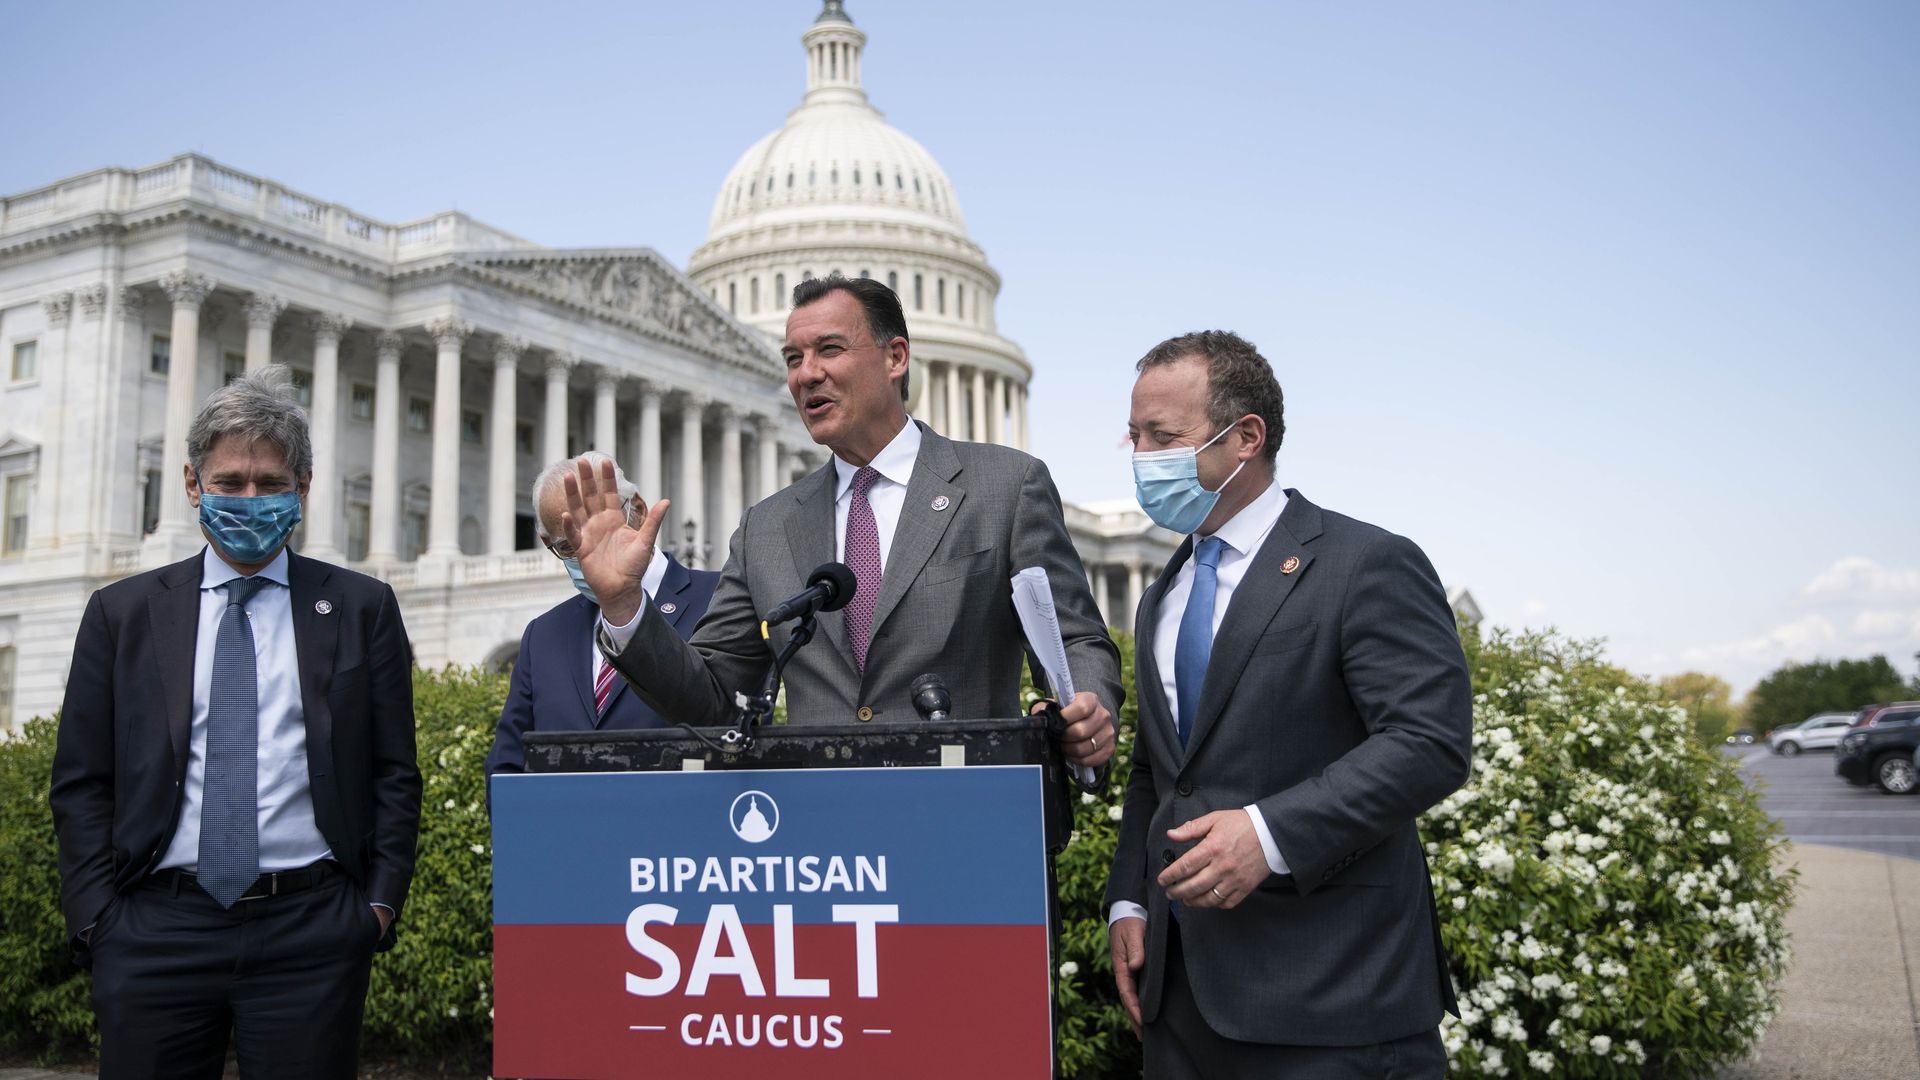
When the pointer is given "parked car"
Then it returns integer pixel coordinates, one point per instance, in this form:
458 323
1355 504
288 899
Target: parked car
1880 751
1870 715
1822 732
1740 736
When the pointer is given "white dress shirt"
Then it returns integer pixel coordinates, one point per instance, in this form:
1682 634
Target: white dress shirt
289 838
1241 537
887 496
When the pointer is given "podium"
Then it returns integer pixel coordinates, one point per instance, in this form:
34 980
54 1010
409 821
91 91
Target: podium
833 901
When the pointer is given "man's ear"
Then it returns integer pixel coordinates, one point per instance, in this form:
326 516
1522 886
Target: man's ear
193 486
1253 437
305 484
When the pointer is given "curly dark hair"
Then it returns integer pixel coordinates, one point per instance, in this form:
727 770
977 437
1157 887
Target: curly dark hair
1239 380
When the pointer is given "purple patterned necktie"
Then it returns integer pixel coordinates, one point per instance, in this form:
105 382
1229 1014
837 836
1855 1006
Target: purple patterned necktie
863 558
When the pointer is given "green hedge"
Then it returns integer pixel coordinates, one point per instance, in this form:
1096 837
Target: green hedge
1606 886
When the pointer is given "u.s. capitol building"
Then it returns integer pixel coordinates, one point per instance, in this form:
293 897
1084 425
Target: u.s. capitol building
443 361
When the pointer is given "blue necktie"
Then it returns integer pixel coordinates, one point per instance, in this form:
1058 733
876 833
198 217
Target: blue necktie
229 789
1194 646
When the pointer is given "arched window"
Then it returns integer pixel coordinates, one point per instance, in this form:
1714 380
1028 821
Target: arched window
789 178
806 275
897 182
959 300
733 298
753 295
780 290
833 175
864 274
918 293
893 280
940 295
769 182
856 177
810 175
916 185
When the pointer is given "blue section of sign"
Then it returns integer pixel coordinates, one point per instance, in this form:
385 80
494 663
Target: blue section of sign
961 846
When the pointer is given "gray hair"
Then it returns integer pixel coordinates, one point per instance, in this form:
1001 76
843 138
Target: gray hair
257 405
556 474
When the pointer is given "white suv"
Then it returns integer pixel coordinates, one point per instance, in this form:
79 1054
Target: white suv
1821 732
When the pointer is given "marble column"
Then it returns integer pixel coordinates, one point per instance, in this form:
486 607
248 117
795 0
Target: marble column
1097 583
503 455
188 291
783 464
731 495
997 409
443 509
765 430
605 440
1135 579
951 427
263 310
555 436
921 376
117 501
383 509
693 479
323 498
43 514
1020 415
977 430
647 445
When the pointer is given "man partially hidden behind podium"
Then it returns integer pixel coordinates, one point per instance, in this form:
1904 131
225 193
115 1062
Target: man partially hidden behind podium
234 785
933 530
561 682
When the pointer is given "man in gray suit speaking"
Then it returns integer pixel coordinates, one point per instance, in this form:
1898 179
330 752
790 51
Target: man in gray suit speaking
1303 698
932 529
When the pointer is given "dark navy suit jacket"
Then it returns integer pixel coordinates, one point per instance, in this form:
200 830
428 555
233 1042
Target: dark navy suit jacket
552 688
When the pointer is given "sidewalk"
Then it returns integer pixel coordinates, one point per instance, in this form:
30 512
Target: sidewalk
1849 1006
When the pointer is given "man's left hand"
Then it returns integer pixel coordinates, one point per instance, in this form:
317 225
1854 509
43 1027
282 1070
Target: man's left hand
1088 738
385 917
1223 868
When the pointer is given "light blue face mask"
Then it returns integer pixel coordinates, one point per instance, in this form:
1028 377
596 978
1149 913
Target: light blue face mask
250 528
1167 484
580 580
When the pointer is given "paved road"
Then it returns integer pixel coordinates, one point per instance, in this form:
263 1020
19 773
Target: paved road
1817 807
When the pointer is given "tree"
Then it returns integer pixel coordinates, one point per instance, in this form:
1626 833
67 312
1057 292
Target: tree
1797 691
1707 699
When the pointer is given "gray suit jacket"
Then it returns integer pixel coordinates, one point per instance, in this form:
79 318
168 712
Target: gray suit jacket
1337 700
945 605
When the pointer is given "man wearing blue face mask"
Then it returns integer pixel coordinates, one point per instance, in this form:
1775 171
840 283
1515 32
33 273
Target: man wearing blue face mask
560 681
234 786
1303 699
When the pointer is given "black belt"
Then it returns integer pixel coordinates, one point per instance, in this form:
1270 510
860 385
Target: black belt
277 883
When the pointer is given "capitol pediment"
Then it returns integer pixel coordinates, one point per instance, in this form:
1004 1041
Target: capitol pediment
633 286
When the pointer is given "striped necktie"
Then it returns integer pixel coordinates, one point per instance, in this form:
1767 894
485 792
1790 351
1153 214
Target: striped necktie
230 786
863 558
603 688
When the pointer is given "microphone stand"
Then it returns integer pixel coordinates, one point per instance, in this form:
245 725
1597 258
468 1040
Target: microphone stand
750 712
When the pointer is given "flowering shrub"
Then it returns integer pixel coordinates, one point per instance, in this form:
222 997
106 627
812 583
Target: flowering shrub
1607 886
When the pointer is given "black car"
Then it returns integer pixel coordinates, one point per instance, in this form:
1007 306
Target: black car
1880 751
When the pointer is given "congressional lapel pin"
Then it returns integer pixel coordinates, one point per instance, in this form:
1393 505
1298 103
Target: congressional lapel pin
1292 564
669 608
941 502
324 607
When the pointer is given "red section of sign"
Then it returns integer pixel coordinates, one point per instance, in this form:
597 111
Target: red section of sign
959 1001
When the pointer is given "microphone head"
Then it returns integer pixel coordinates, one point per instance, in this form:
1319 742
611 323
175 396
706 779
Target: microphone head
930 697
840 582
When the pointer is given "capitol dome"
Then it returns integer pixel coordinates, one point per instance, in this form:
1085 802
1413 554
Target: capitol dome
837 189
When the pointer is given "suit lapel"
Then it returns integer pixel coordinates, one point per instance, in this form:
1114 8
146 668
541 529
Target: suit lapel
316 638
1154 722
174 618
1256 601
810 537
921 526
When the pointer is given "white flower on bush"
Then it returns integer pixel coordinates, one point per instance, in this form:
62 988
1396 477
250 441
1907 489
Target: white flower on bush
1600 1044
1069 969
1540 1060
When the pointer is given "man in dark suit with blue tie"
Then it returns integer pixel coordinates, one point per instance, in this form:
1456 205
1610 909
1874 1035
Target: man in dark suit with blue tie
234 786
560 681
1303 698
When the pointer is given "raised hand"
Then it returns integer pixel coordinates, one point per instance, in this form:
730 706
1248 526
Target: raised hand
613 554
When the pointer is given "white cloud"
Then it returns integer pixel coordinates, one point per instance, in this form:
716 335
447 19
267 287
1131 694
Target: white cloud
1880 625
1862 580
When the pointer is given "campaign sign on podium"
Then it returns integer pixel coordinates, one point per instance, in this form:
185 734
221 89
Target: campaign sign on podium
792 923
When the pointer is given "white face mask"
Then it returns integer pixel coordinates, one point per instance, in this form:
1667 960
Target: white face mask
1167 485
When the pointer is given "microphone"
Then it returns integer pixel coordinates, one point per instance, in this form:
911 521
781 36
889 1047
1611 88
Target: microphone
829 588
930 697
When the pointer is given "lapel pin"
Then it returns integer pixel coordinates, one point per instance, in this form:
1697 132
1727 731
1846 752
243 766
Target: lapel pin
941 502
324 607
1292 564
669 608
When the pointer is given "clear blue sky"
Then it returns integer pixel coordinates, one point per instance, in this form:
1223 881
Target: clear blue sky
1614 308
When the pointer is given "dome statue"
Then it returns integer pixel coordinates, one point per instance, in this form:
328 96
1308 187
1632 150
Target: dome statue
837 189
753 824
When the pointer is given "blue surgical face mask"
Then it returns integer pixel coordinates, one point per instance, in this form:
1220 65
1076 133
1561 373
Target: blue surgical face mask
250 528
1167 484
580 580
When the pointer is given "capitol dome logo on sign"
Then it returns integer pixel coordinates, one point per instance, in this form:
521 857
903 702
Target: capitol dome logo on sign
754 816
